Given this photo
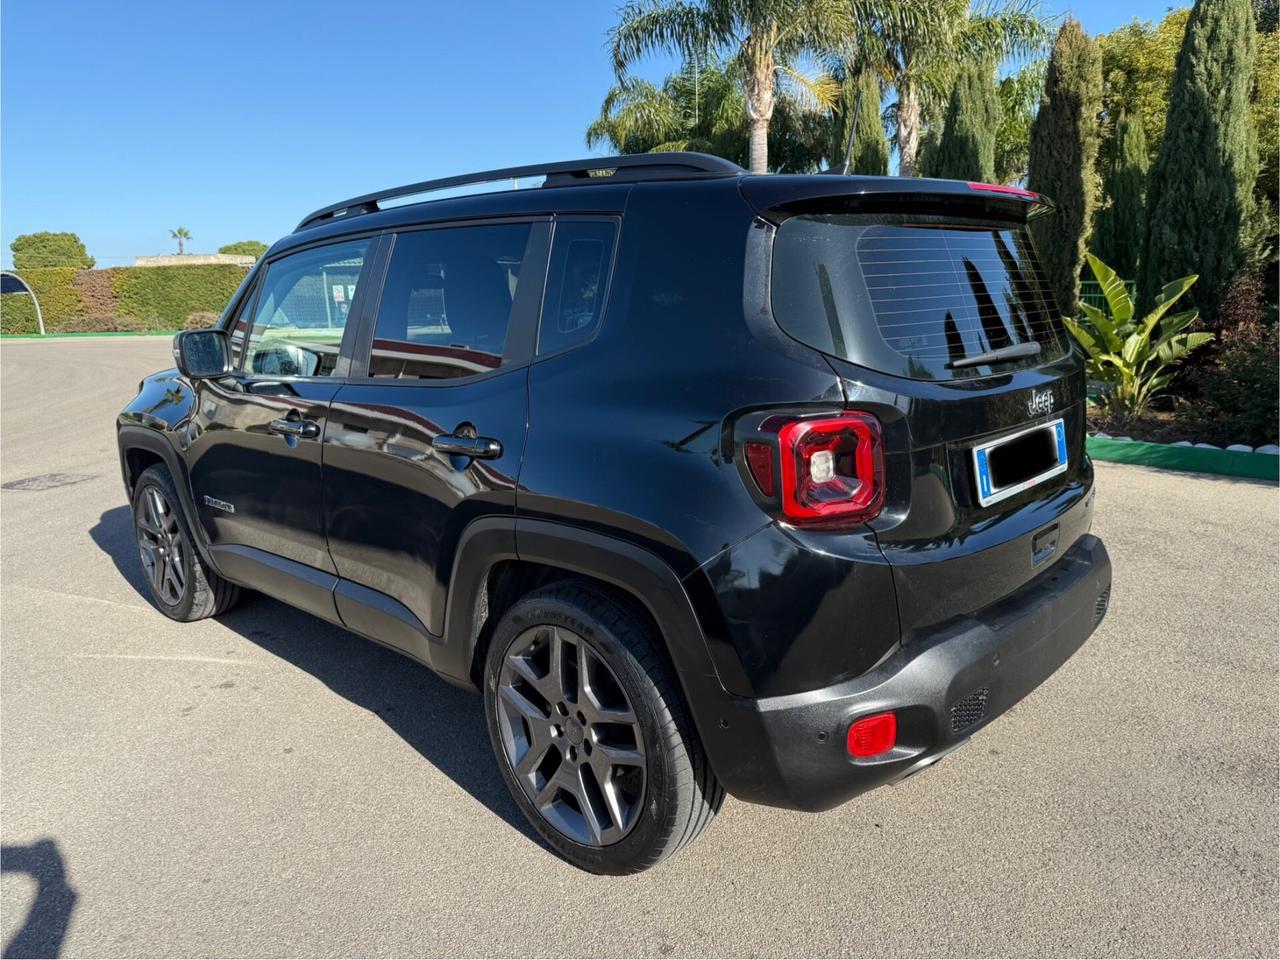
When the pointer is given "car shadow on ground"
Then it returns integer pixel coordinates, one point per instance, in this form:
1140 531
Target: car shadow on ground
444 724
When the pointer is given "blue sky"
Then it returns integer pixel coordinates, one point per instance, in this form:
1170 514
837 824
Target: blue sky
234 119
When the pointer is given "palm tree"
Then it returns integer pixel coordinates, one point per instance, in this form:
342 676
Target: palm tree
762 40
921 58
182 235
700 107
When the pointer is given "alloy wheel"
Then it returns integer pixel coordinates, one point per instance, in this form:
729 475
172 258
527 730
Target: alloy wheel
571 735
161 546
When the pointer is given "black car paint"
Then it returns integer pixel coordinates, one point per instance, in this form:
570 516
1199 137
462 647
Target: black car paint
618 462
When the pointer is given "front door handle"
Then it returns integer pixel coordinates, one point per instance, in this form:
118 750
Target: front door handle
305 429
480 448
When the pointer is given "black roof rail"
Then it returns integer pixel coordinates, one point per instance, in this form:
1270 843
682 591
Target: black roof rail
638 166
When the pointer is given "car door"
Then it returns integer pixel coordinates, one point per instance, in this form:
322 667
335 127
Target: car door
431 435
254 439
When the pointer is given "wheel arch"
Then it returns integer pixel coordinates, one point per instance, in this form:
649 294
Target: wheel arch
142 448
500 560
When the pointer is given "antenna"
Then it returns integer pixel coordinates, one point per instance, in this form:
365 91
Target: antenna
843 168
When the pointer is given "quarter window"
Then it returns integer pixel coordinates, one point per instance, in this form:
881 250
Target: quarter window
302 311
576 283
446 304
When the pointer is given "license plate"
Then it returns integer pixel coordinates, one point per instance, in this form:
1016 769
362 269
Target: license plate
1019 461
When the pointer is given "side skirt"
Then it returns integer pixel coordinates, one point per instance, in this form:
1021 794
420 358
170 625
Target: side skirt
369 613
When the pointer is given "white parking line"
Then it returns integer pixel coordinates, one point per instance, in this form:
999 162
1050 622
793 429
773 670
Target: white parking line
150 656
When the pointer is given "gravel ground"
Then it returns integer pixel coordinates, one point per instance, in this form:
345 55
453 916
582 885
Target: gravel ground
268 784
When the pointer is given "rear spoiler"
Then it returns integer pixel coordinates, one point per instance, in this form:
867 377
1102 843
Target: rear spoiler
776 198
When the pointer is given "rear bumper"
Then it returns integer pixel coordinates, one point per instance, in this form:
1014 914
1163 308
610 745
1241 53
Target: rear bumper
790 751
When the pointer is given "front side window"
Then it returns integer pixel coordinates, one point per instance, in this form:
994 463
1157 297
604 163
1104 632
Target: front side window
302 311
576 282
446 304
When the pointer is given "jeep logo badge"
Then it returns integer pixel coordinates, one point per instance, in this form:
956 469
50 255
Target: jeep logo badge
1040 402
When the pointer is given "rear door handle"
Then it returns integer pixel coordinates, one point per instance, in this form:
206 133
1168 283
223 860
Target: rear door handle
305 429
480 448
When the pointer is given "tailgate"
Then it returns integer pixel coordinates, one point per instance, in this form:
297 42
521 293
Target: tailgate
937 318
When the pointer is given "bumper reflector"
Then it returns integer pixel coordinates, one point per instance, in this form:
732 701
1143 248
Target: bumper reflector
873 735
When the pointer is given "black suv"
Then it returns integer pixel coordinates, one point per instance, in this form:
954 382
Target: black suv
773 485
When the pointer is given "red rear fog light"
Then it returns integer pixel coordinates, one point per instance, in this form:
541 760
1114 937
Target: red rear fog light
873 735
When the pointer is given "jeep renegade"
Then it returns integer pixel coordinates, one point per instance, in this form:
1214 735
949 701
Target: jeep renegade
709 482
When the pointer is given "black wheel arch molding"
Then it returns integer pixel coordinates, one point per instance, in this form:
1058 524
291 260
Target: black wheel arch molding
155 443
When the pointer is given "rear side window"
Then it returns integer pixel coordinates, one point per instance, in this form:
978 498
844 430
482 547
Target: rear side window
910 298
576 284
446 304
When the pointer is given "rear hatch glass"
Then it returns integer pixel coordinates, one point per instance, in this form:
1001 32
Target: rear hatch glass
912 295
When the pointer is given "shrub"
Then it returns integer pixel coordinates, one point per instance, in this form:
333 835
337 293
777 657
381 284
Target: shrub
1239 396
102 324
201 319
17 315
123 298
165 296
35 251
58 301
1134 358
96 296
1241 304
248 248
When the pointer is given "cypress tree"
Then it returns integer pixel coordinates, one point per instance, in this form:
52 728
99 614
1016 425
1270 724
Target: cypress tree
1121 226
1200 194
967 149
870 146
927 155
1064 148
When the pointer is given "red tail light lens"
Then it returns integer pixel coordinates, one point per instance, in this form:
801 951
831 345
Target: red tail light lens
873 735
832 469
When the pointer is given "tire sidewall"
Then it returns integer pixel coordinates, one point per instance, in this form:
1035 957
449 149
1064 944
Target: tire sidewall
182 609
635 850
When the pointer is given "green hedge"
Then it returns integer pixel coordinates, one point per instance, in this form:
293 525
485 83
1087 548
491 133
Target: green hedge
120 299
58 301
166 296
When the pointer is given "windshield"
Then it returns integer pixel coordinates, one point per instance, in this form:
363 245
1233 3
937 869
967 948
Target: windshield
913 297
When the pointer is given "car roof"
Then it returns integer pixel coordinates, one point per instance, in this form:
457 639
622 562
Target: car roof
602 184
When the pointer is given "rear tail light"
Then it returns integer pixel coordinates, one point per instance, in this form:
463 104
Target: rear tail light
832 469
872 736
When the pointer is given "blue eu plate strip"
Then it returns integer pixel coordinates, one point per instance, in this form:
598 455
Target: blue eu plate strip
984 474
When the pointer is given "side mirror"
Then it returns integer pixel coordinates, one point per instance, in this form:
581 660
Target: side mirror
202 354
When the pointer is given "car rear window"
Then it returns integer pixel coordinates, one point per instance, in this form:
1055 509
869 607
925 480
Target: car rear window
910 298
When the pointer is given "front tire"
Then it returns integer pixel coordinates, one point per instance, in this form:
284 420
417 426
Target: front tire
179 584
591 733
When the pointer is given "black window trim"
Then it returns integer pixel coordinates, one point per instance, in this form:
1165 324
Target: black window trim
525 310
616 221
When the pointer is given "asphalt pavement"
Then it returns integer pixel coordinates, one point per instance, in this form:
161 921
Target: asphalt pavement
269 785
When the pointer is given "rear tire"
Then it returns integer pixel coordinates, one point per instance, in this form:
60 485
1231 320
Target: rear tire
599 752
178 582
